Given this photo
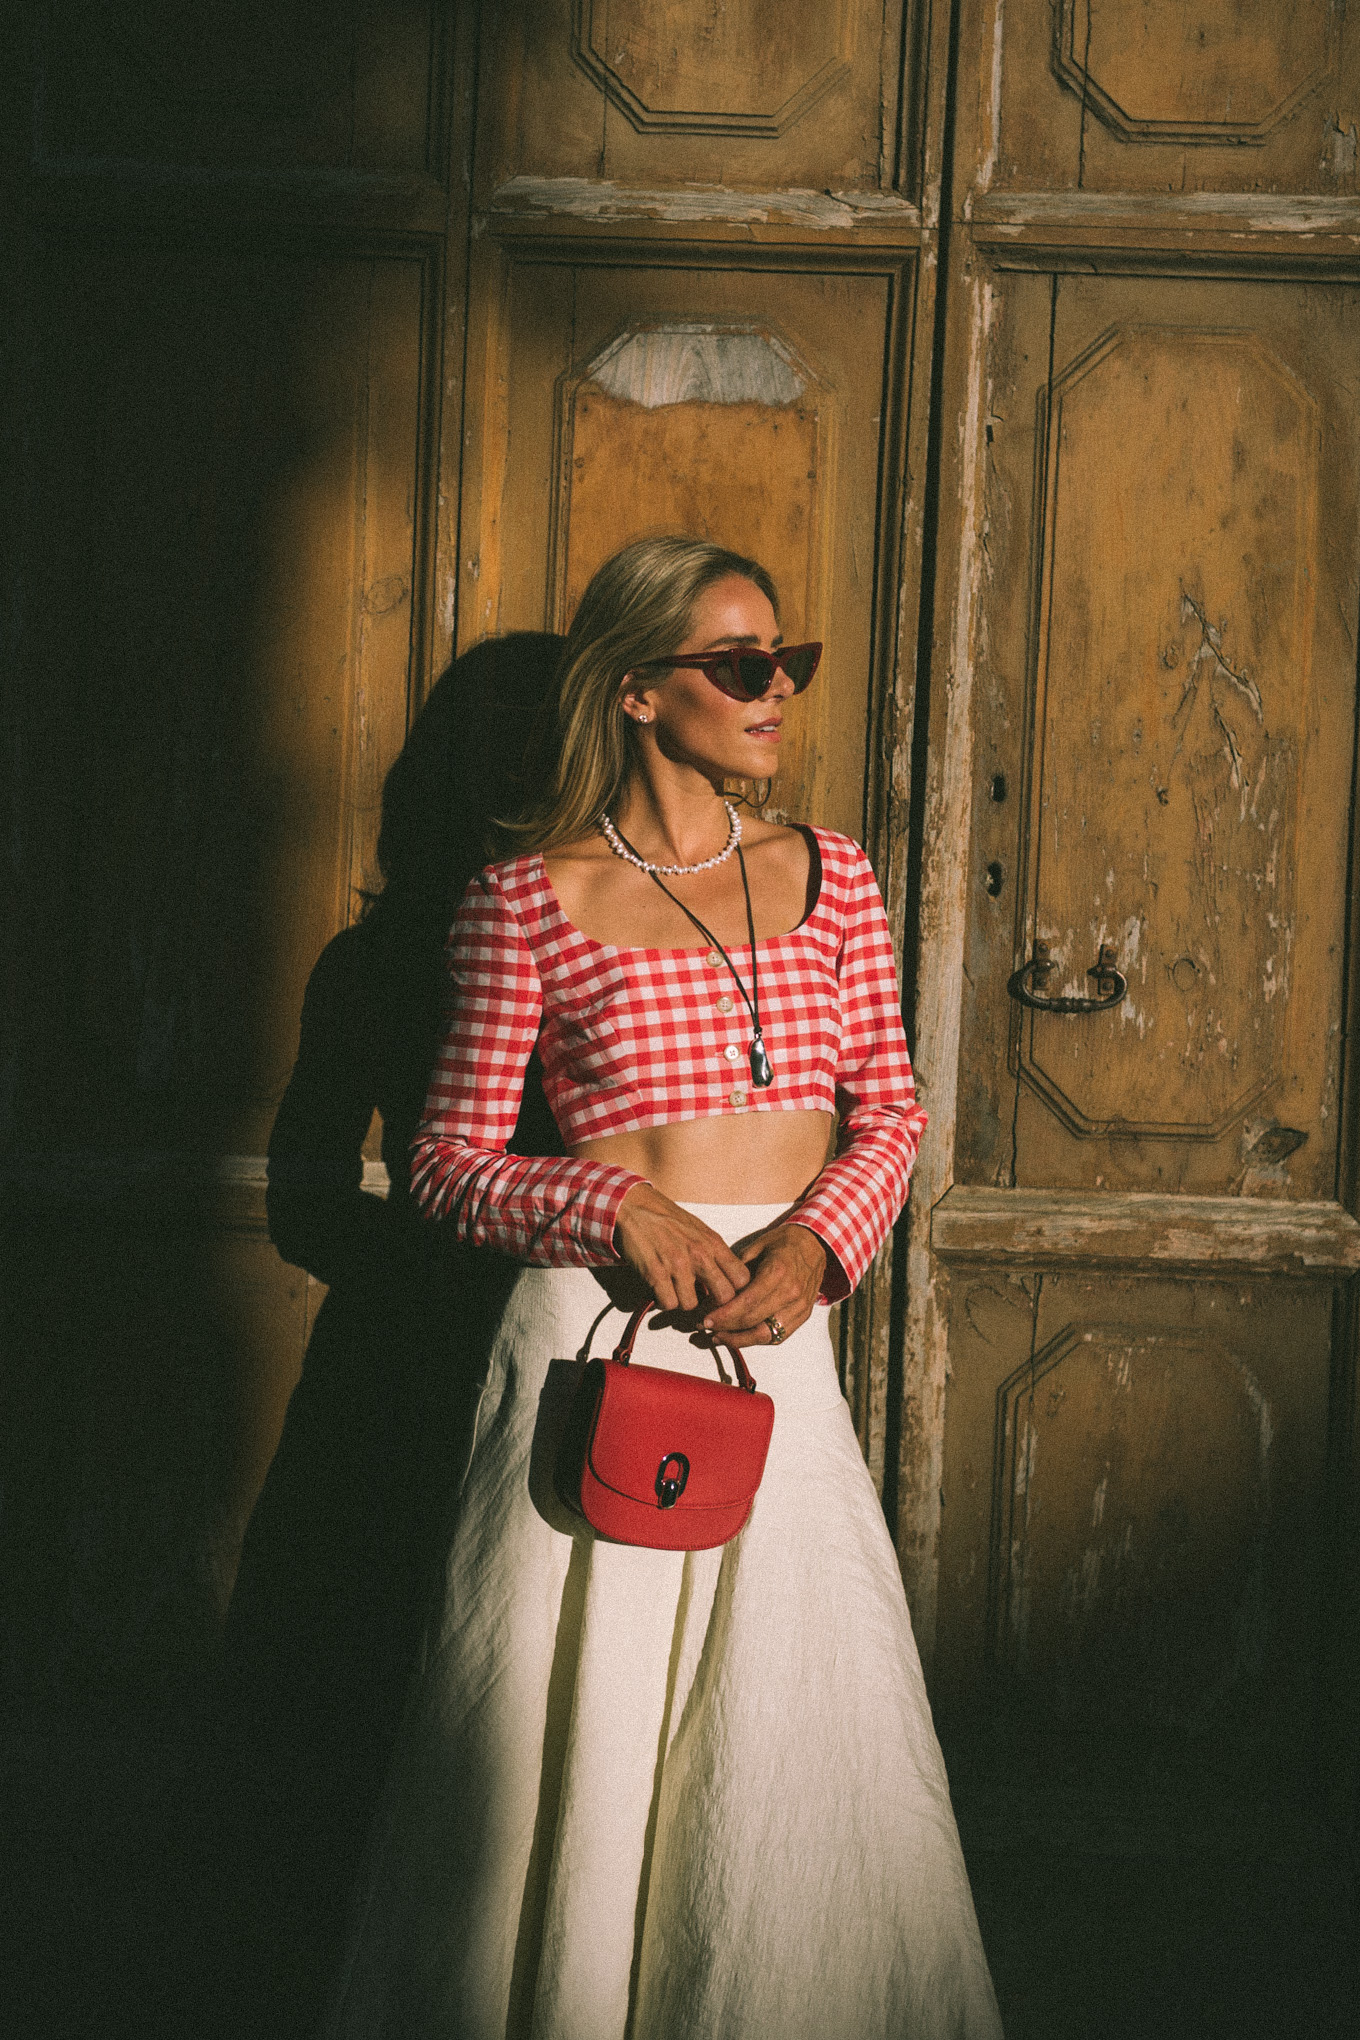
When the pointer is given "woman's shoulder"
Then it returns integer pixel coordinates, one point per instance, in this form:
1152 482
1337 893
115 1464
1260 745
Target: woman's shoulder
849 888
513 878
843 856
512 870
505 898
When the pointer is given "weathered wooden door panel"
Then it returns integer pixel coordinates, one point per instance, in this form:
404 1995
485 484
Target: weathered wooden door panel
1223 98
1131 1546
747 96
1175 573
743 406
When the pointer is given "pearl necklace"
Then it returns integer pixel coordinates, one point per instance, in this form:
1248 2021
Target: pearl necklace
621 849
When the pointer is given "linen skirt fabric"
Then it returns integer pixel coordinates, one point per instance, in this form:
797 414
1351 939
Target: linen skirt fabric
648 1795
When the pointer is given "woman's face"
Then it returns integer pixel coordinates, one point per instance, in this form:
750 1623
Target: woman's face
693 722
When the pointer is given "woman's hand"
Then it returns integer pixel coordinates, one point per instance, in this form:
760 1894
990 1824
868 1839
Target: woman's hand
676 1254
789 1265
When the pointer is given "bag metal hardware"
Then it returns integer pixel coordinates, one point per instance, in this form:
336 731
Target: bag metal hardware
670 1486
1111 984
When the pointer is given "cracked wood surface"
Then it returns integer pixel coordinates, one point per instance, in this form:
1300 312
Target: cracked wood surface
881 215
973 1226
1164 732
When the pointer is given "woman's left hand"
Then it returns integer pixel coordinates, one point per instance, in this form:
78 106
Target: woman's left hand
788 1265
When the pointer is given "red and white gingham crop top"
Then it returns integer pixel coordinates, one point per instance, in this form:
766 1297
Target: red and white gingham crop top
632 1038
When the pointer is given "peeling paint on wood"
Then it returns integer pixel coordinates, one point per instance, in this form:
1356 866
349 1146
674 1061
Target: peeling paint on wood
1339 148
945 896
973 1226
992 118
1195 221
589 198
698 363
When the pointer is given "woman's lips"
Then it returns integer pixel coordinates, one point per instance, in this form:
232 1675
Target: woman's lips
770 731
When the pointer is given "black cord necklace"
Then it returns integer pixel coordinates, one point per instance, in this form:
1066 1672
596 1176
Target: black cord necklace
762 1074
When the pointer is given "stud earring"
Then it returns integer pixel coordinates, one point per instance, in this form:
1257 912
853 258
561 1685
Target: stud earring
644 718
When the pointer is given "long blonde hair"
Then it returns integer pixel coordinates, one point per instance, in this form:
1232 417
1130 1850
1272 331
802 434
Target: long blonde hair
637 608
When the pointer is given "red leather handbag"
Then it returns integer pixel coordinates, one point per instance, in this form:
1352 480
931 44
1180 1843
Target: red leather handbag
649 1456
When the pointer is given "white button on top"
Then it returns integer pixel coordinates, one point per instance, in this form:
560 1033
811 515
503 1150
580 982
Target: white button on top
731 1052
724 1004
736 1097
715 959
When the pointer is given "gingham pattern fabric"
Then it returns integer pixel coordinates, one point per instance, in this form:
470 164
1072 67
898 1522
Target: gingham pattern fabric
632 1038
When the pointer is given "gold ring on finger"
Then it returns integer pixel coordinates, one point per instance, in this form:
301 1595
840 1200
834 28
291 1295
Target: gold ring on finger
777 1331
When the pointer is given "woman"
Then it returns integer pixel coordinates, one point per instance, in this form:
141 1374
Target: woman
646 1793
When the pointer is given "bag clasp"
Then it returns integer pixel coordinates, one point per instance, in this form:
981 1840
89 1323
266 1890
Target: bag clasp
670 1485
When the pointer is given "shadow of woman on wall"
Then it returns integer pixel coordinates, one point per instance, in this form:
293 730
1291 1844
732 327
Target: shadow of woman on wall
339 1557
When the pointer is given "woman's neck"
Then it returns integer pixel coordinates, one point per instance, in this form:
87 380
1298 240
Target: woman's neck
674 824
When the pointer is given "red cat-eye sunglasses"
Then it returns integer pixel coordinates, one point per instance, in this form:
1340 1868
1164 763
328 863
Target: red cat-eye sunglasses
745 672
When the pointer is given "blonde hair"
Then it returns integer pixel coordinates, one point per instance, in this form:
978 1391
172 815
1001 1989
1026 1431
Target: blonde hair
637 608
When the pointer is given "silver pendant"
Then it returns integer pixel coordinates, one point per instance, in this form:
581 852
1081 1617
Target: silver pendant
762 1076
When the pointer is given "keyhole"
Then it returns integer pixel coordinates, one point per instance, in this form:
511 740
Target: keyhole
995 879
998 787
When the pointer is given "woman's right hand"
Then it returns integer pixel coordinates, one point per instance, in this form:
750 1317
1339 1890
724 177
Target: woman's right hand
676 1254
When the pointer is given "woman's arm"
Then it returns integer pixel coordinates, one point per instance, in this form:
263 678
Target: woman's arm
854 1201
553 1211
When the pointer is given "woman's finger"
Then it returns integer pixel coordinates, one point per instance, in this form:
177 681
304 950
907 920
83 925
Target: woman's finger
778 1293
716 1284
789 1267
721 1274
716 1253
685 1287
661 1286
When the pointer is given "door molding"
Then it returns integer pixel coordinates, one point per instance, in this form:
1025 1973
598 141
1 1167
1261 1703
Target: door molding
1139 1232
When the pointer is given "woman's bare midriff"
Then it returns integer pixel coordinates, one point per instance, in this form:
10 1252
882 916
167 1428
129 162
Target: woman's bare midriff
738 1158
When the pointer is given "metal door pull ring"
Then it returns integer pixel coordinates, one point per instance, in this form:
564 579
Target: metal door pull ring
1111 984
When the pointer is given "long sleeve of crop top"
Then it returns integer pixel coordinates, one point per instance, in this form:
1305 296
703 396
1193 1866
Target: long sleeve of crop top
548 1210
854 1201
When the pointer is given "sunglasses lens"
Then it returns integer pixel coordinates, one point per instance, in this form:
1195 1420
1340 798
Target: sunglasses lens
800 665
754 672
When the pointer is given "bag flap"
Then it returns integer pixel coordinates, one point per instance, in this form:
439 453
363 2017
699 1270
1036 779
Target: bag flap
645 1414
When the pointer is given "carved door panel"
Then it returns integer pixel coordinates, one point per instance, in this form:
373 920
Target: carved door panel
1136 1230
1173 737
645 398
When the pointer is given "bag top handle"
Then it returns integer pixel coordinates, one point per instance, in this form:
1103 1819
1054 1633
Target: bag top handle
623 1352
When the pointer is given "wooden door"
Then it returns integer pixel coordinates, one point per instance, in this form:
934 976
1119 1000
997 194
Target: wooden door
1128 1338
314 378
701 300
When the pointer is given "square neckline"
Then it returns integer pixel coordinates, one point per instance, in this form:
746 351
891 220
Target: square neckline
805 829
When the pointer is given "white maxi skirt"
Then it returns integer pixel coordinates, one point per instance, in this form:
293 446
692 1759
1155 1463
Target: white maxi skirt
650 1795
